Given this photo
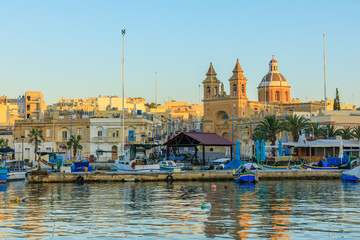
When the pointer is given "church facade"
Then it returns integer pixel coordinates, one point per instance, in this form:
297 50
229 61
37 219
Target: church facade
234 112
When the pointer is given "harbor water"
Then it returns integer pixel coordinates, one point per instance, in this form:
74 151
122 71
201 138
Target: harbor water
158 210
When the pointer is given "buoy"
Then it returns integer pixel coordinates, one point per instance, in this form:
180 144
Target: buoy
226 186
206 206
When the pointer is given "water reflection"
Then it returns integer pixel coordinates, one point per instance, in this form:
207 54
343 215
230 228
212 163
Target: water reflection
268 210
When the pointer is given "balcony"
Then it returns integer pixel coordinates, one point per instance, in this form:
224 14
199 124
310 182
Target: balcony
99 139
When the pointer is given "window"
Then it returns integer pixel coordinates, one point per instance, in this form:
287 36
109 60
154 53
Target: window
234 88
79 131
242 88
277 95
28 107
48 149
99 133
131 135
48 132
215 91
115 134
208 90
27 133
64 136
28 98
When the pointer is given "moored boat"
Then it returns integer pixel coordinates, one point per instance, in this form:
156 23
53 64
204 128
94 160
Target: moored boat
352 175
170 166
272 167
3 175
321 165
243 175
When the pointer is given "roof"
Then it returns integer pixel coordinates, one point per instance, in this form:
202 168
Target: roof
198 138
274 79
324 143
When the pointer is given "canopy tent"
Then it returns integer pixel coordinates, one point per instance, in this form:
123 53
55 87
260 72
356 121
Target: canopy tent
194 139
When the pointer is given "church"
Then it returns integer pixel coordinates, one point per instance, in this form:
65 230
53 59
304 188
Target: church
222 110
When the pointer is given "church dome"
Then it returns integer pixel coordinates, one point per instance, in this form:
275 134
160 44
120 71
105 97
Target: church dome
273 78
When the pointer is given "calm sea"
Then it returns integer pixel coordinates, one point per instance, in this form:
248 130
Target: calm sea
267 210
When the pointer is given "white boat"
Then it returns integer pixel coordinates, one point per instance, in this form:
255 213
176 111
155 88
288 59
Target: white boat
17 170
170 166
133 165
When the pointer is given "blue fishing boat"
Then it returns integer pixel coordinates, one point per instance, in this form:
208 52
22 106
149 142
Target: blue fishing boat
243 175
352 175
3 175
321 165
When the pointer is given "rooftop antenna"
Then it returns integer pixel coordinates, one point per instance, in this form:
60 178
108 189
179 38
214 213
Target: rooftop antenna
324 76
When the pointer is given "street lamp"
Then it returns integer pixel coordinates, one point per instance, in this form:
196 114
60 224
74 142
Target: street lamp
22 148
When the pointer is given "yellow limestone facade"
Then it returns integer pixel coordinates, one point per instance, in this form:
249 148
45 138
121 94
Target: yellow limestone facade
273 98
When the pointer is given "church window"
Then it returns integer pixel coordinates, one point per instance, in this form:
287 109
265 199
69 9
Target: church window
242 88
235 88
277 96
216 91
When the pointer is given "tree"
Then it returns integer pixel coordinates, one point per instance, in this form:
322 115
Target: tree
74 143
356 132
346 133
330 131
4 143
270 126
337 101
295 124
258 135
36 137
151 105
315 129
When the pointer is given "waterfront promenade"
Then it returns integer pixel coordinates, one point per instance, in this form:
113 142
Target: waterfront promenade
180 176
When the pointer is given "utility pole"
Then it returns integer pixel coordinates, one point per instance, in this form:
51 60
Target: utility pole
325 76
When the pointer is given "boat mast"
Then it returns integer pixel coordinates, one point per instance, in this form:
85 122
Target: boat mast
123 95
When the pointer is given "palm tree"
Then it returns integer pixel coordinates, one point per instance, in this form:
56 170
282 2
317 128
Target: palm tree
258 135
356 132
346 133
315 129
36 137
270 126
4 143
296 124
74 143
329 130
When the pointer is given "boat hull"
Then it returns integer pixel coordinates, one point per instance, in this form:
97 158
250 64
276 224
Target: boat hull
3 175
349 178
319 168
16 176
136 168
268 167
162 168
240 176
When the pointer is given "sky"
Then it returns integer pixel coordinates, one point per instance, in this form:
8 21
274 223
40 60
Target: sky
73 49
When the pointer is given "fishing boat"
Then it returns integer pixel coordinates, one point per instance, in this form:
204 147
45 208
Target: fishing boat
138 164
352 175
321 165
243 175
17 171
82 166
3 175
272 167
170 166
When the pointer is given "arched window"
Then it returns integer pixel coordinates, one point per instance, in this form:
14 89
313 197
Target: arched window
242 88
234 88
216 91
277 96
208 90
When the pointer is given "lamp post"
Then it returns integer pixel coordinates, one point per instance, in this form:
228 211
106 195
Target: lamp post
22 148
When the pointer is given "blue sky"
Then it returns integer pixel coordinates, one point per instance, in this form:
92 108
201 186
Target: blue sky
73 49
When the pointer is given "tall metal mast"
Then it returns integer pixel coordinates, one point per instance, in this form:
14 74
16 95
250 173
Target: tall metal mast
123 96
324 76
